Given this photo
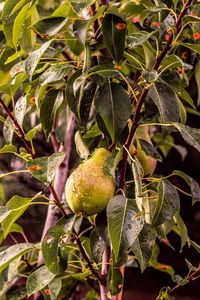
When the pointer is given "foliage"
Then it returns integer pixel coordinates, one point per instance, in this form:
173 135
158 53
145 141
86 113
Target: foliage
112 74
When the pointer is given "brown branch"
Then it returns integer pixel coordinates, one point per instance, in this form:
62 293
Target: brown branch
18 128
104 274
100 278
144 93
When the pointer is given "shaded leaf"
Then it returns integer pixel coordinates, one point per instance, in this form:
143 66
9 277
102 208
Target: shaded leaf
34 58
97 246
165 99
50 26
190 135
114 34
193 47
114 111
124 223
167 204
170 62
48 109
115 280
53 248
44 168
38 280
55 73
197 77
143 245
194 186
182 230
11 253
139 38
150 150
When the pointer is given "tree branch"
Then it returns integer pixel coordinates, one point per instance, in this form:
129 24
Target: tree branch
145 90
189 278
18 128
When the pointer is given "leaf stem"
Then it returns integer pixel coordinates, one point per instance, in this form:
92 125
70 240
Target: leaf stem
189 279
18 128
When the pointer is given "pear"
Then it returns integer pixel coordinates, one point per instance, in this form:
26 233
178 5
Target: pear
90 187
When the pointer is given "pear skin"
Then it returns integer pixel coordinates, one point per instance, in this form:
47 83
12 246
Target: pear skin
90 187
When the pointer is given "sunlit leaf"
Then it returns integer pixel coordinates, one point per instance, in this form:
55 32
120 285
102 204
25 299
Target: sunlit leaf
34 58
38 280
12 252
44 168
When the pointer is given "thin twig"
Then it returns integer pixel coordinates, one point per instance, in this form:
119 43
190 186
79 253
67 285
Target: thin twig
104 274
86 258
18 128
189 278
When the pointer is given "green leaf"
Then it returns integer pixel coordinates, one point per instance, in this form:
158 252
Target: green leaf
29 136
50 26
4 212
9 149
8 19
11 253
114 34
8 130
55 286
171 61
139 38
55 73
182 230
150 150
194 186
143 245
19 24
103 70
44 168
190 135
34 58
124 223
197 77
81 146
195 48
164 294
17 205
97 246
114 111
165 99
54 248
48 109
66 10
115 280
168 203
195 246
20 109
38 280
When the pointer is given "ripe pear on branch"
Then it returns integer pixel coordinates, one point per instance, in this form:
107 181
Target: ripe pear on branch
92 184
148 163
